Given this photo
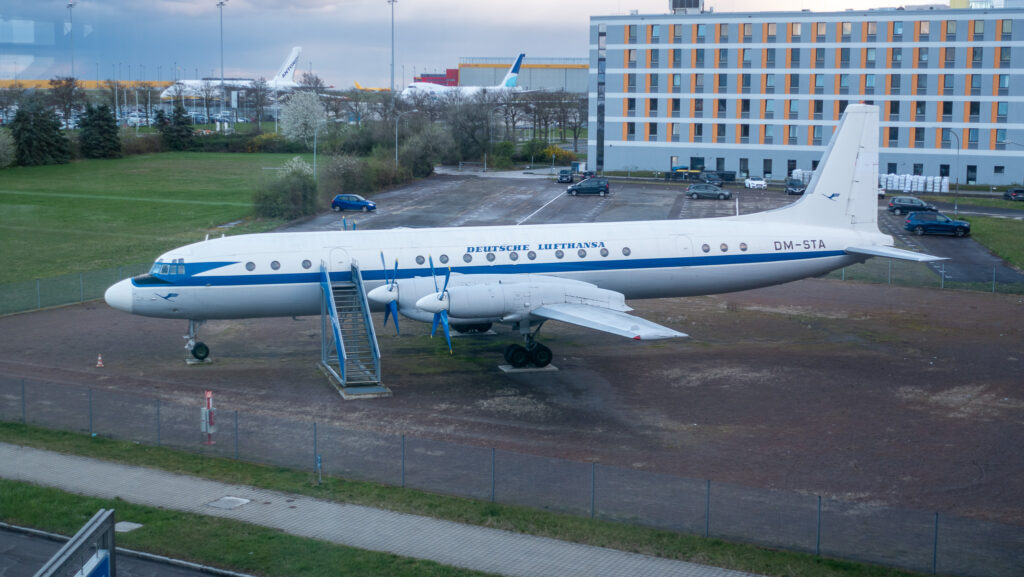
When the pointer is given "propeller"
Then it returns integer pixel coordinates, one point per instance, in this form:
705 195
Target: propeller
391 309
441 316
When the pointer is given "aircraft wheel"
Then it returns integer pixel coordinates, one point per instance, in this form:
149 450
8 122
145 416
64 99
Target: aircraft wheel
540 355
517 356
200 351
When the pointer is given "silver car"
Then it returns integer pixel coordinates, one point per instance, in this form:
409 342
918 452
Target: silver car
707 191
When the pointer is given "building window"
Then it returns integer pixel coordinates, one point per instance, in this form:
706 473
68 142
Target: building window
630 131
922 57
894 135
745 82
975 83
720 132
723 32
999 169
872 28
794 109
1004 57
897 29
698 132
922 83
654 82
631 107
795 29
947 110
631 33
655 34
794 82
655 58
769 58
816 134
844 57
891 168
974 110
820 29
791 139
723 58
746 58
1001 108
721 106
698 108
847 29
819 57
723 82
972 138
919 136
819 83
769 135
950 29
926 28
769 109
897 57
977 54
652 131
1007 28
979 28
920 109
794 58
894 110
698 58
745 29
1004 83
677 82
869 57
698 83
947 83
844 83
702 31
869 81
769 83
677 58
773 29
918 169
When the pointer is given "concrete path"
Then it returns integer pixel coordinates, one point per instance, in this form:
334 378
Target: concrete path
467 546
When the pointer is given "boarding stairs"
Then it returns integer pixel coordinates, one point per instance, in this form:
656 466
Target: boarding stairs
350 355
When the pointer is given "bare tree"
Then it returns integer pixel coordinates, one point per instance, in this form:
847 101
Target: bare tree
310 82
512 111
576 119
67 96
209 91
259 98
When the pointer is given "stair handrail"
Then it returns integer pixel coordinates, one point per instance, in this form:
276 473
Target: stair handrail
357 278
325 286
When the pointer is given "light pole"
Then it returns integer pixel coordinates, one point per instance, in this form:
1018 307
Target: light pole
71 33
956 194
399 116
392 2
223 95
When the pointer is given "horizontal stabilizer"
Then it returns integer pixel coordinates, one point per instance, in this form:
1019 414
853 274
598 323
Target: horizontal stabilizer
607 320
890 252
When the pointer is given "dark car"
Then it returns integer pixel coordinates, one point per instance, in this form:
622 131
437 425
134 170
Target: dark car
565 175
795 186
352 202
595 185
920 222
587 174
711 178
907 204
1014 194
707 191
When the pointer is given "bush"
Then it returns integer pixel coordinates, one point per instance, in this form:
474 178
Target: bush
272 142
7 151
142 144
532 150
289 195
419 153
562 156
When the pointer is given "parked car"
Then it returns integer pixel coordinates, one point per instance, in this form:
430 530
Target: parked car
907 204
565 175
595 185
352 202
795 186
707 191
755 182
920 222
1014 194
587 174
711 178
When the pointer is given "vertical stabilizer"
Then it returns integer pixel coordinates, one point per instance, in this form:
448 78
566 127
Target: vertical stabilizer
513 74
844 189
284 74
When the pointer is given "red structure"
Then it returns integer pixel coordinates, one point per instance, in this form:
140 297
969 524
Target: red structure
449 78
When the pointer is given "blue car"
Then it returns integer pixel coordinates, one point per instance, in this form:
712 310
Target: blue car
352 202
935 223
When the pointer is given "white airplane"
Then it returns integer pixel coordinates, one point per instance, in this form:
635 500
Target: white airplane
281 81
525 275
430 89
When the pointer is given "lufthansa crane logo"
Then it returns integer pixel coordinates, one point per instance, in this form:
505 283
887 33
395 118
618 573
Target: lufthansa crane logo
169 298
832 196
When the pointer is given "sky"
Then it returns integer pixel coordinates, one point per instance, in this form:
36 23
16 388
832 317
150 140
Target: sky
343 41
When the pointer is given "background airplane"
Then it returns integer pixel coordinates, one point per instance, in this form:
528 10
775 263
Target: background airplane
429 88
525 275
371 89
281 81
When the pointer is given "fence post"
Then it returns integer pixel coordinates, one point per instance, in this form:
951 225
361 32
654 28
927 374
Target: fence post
942 277
593 487
23 421
492 474
844 273
236 435
993 280
817 541
39 298
707 510
81 288
315 449
935 546
158 422
890 272
403 461
90 413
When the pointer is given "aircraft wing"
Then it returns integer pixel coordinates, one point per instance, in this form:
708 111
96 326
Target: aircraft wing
890 252
607 320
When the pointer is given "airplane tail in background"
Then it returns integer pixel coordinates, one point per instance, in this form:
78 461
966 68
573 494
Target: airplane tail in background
513 74
843 191
284 75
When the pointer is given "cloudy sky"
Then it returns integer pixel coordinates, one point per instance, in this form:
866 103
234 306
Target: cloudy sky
344 41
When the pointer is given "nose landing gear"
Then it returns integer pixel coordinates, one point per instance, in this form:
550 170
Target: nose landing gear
198 350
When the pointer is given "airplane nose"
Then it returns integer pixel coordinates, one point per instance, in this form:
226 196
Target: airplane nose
119 296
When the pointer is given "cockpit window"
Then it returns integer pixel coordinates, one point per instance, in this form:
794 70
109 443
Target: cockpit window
174 268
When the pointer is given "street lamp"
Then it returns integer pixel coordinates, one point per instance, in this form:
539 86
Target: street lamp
223 95
396 134
956 194
71 33
392 2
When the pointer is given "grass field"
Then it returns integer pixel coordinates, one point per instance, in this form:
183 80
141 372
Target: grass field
226 544
96 214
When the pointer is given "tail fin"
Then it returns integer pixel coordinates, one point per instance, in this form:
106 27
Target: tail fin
843 191
284 74
513 74
358 87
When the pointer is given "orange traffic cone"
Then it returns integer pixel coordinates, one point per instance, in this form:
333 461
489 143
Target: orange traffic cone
99 361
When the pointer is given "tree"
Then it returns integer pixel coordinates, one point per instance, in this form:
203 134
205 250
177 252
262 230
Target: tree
290 194
301 116
209 92
66 95
175 131
99 137
38 135
469 121
259 98
312 83
7 148
9 97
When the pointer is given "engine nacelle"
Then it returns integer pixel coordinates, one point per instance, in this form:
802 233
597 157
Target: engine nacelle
516 300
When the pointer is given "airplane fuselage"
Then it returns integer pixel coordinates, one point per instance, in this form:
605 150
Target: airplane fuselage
278 274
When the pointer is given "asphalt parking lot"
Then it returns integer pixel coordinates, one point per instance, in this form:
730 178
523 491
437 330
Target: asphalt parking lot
884 395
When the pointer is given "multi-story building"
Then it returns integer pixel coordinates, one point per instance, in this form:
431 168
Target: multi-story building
761 93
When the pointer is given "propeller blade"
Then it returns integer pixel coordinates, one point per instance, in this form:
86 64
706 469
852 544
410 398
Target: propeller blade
384 267
442 318
394 275
433 275
392 309
447 277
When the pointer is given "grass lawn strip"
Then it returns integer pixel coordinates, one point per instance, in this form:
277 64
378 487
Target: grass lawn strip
629 538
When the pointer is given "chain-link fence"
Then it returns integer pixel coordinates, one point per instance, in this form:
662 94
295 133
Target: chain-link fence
920 541
62 290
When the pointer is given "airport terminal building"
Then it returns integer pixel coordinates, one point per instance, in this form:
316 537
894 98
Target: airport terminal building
761 93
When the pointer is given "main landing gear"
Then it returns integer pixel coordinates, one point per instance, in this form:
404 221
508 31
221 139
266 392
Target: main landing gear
199 350
533 353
